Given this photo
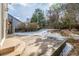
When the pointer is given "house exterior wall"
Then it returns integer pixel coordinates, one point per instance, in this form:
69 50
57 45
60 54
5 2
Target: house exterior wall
1 23
3 17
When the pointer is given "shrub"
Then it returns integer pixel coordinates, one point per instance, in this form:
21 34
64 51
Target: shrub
65 32
32 26
21 27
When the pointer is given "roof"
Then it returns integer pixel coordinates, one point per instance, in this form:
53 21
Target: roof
14 18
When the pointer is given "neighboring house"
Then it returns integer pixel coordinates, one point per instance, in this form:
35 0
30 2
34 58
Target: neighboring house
12 24
27 21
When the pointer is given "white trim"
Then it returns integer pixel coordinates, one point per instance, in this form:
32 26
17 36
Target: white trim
1 44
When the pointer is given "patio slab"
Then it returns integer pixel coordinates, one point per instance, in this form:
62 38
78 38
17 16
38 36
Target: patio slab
35 46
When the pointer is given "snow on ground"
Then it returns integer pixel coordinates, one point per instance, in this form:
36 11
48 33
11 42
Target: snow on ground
40 32
75 36
56 36
43 33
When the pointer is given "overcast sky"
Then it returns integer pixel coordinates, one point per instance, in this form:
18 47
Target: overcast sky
24 11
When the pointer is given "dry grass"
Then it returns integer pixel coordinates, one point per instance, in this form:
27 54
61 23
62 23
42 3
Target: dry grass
71 40
75 43
75 51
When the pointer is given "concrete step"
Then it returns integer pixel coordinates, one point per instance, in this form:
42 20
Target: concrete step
6 50
18 50
9 46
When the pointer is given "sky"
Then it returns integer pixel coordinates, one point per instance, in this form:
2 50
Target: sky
23 11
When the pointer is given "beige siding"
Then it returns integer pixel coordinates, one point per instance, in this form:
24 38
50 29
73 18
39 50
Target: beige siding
3 17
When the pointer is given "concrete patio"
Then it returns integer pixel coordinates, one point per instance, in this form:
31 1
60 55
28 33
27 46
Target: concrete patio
30 46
